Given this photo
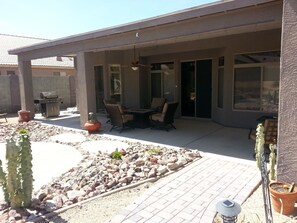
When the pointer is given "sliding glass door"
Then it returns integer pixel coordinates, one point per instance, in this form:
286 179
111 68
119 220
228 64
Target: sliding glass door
196 81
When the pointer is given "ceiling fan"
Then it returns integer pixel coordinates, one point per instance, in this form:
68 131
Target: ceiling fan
135 63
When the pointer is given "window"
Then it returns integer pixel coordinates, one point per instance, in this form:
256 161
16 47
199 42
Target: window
247 88
220 102
56 74
256 82
10 72
162 80
115 82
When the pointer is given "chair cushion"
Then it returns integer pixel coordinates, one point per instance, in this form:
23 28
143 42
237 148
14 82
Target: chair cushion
127 118
158 117
165 107
157 104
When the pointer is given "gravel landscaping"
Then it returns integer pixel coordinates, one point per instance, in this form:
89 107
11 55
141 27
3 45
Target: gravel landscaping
102 169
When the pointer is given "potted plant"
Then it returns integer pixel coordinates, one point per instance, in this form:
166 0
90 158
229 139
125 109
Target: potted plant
283 195
92 124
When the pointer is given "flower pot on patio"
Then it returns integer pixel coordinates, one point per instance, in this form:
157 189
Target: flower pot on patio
92 125
24 116
283 201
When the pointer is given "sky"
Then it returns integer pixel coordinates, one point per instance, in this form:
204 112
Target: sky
52 19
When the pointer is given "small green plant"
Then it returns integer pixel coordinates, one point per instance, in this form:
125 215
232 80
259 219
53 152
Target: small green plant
17 183
116 155
154 151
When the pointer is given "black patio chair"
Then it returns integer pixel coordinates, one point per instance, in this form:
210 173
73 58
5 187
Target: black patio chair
165 119
117 118
105 102
158 104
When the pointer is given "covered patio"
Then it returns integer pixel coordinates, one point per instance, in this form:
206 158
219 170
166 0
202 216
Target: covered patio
237 43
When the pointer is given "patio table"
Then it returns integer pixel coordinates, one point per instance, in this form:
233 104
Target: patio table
141 117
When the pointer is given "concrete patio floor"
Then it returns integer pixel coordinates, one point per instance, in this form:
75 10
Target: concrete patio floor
203 135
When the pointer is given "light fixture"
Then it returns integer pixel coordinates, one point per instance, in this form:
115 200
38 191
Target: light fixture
135 63
135 68
228 210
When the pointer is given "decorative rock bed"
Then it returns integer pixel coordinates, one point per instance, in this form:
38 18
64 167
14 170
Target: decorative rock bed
101 170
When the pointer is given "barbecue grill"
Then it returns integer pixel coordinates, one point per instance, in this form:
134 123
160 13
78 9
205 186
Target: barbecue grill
49 104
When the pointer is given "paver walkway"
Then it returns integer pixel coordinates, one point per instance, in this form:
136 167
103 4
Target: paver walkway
190 195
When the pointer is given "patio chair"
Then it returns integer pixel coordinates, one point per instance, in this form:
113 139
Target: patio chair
105 102
117 118
158 104
165 119
270 132
3 114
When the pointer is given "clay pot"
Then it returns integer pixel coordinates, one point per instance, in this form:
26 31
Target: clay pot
282 202
24 116
92 126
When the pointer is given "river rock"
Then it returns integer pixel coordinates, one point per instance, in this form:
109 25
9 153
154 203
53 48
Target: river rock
172 166
172 159
152 173
162 170
139 162
74 194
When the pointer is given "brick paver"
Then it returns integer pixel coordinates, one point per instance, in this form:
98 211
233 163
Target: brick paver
190 195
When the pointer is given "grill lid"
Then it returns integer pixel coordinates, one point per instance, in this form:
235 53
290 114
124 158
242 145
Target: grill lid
48 95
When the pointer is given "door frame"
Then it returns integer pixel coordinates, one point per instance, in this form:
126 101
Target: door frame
211 85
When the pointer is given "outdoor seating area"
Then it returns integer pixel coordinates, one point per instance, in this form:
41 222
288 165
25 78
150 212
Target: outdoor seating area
160 115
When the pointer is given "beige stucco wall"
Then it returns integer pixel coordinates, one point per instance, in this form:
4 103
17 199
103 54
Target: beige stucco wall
287 138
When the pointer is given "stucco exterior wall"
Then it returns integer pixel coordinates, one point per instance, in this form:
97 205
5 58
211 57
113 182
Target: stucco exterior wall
287 138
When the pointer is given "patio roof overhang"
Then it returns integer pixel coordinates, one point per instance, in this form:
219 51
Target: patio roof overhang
207 21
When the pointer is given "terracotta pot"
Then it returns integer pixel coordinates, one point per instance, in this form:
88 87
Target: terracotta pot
283 202
24 116
92 126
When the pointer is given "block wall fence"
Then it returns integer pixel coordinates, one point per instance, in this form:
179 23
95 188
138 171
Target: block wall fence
10 91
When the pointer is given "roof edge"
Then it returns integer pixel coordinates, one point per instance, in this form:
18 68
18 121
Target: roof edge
177 16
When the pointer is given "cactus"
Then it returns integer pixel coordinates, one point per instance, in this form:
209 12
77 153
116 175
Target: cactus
24 145
272 162
3 182
259 146
13 175
17 184
259 151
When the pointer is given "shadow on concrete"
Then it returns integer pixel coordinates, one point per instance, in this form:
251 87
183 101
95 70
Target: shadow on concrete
203 135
